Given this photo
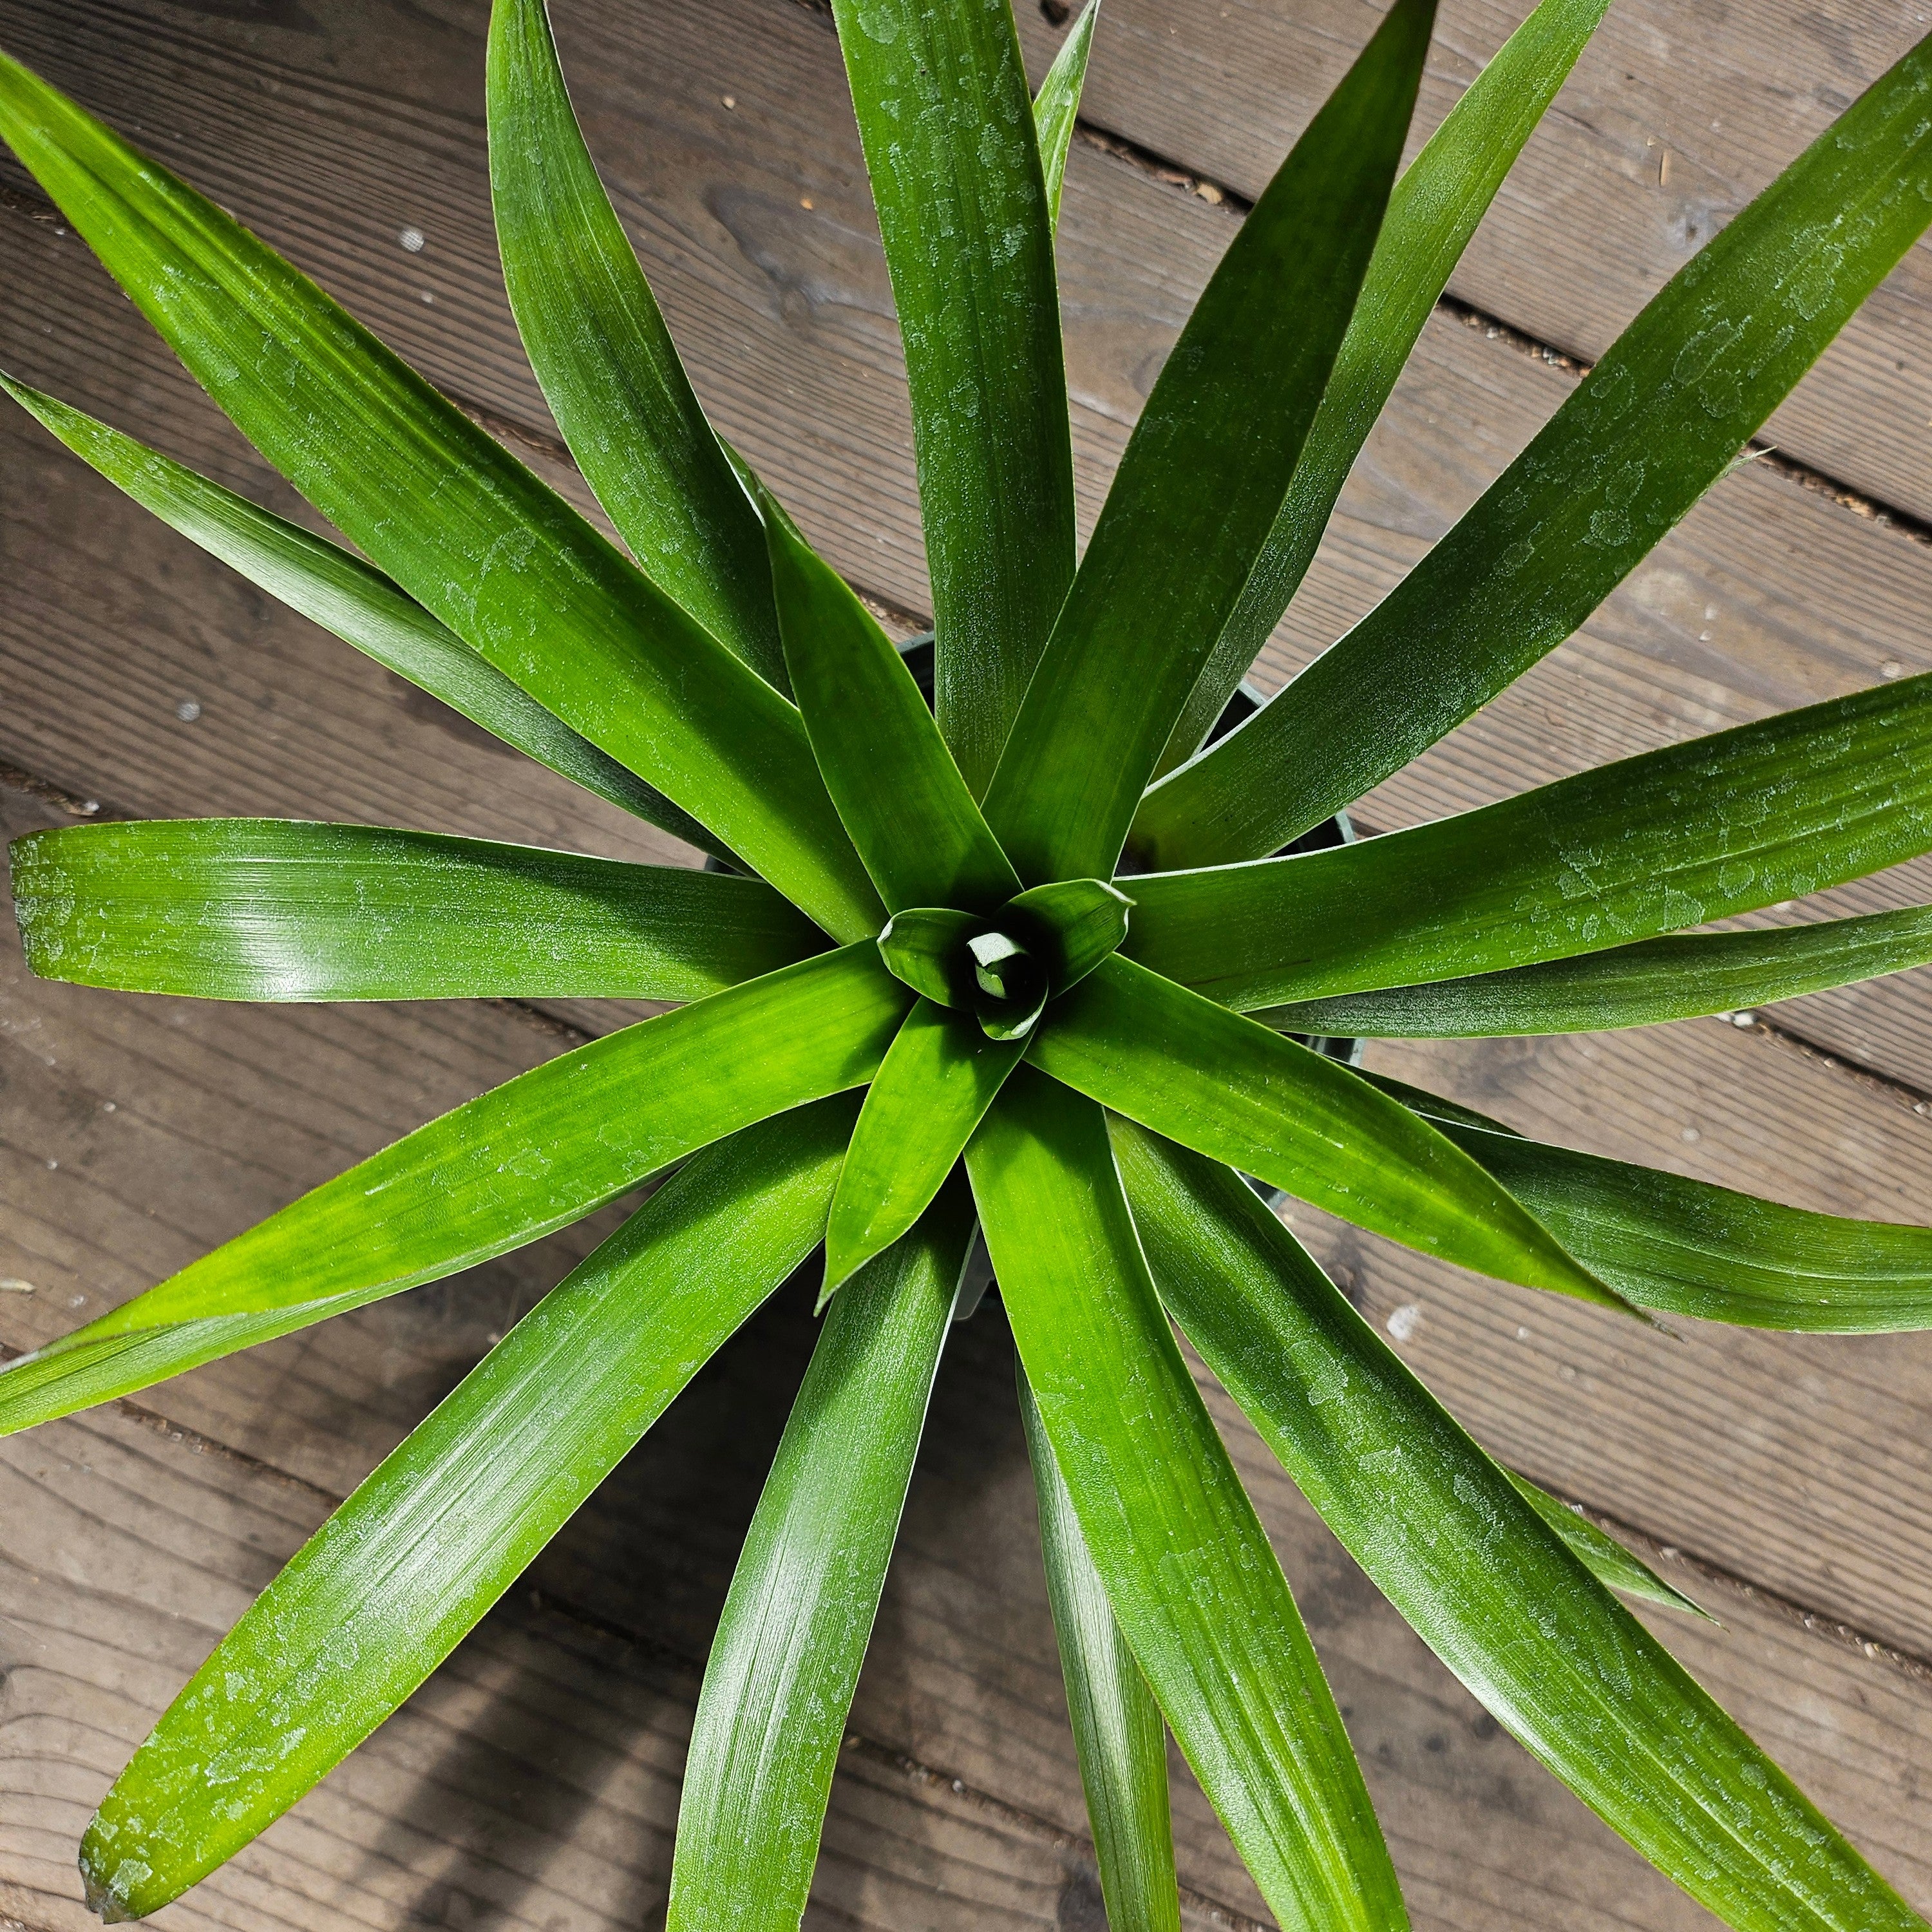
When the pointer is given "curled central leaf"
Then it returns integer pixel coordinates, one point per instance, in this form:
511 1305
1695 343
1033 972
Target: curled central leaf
1004 969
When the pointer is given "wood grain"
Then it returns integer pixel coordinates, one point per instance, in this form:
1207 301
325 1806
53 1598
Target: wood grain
1672 120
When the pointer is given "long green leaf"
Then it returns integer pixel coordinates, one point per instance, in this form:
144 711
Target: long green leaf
385 1590
938 1078
1449 1539
330 587
1606 1559
1658 420
947 127
1442 194
1117 1732
271 909
1197 492
897 790
1672 838
1195 1586
1671 979
443 509
608 366
1686 1247
1056 107
785 1660
1228 1087
531 1155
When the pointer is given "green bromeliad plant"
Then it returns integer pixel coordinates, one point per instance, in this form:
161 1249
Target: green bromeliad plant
1023 957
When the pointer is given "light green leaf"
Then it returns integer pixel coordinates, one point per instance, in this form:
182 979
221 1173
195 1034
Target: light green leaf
1446 1536
938 1078
1672 839
947 127
533 1155
608 366
1685 1247
897 789
359 604
1606 1559
1070 926
1671 979
1207 469
1117 1732
385 1590
925 946
271 909
1658 420
1056 107
785 1659
1195 1588
443 509
1227 1087
1443 193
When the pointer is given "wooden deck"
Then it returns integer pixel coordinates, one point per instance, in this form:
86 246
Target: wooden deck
1786 1481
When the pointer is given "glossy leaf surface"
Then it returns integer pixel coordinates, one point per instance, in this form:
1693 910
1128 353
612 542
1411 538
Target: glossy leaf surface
444 509
937 1081
1204 475
1070 926
330 587
609 369
947 123
925 947
1599 1553
1194 1584
1056 107
272 909
901 795
1659 420
1668 979
1117 1732
1697 831
385 1590
783 1665
1433 212
1227 1087
534 1154
1445 1535
1686 1247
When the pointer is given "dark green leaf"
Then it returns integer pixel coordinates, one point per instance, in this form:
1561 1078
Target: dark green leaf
901 795
1227 1087
1070 926
499 557
785 1658
1011 986
1671 979
1195 1586
947 127
938 1078
609 369
534 1154
1606 1559
1117 1732
925 947
1686 1247
269 909
1657 421
1056 106
1672 839
382 1593
1203 477
361 606
1445 1535
1433 212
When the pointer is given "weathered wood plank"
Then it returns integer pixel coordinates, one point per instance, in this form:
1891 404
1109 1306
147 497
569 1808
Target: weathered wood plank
1672 120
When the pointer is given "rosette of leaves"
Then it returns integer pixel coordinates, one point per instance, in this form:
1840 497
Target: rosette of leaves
1024 959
